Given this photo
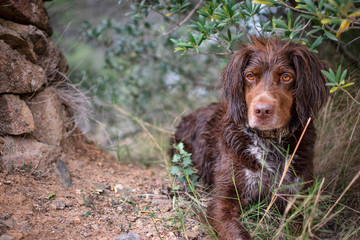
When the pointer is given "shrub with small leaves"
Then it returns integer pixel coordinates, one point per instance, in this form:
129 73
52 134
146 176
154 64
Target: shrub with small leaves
182 168
337 80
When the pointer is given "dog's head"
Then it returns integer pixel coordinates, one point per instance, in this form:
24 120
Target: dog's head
271 84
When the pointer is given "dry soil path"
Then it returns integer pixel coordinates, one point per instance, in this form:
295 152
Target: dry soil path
106 200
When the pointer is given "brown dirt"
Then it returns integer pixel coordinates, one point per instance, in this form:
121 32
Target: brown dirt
142 202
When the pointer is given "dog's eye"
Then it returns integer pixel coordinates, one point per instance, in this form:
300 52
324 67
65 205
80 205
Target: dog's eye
250 76
286 77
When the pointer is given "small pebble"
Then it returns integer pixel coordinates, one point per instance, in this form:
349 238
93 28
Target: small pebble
95 226
128 236
6 237
10 223
56 205
63 172
77 220
78 191
7 182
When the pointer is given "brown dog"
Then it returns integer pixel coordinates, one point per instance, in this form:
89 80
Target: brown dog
269 90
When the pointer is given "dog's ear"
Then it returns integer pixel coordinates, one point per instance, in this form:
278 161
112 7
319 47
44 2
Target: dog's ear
310 90
232 85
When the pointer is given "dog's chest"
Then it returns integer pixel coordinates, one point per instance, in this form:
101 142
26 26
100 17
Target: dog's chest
263 179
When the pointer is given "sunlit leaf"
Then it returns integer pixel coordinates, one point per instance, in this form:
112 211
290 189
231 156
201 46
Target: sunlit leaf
267 2
344 25
325 20
347 85
333 89
179 49
355 14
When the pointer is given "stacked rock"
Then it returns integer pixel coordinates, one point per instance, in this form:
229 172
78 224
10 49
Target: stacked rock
33 118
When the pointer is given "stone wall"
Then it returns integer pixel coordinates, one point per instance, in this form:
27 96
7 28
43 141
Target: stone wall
33 119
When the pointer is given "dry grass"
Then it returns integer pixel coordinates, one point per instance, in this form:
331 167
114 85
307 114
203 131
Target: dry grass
338 146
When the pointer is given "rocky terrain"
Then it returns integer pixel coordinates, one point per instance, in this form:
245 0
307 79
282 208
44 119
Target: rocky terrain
105 200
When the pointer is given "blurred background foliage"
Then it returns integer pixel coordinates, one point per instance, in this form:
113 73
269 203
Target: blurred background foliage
155 60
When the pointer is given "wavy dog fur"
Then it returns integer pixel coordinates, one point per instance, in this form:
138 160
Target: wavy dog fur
279 85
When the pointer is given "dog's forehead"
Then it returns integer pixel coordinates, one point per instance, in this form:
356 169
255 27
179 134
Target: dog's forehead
269 60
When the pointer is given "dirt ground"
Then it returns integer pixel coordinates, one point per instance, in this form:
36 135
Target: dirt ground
107 200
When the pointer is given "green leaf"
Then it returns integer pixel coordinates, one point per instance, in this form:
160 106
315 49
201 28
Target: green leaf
179 49
330 35
193 177
191 38
176 158
307 16
328 8
331 21
311 6
51 196
87 213
238 36
189 170
329 76
229 34
200 39
280 23
267 2
297 20
187 45
175 170
338 72
312 31
174 40
293 34
180 146
343 75
181 178
290 19
347 85
224 37
317 42
186 162
333 89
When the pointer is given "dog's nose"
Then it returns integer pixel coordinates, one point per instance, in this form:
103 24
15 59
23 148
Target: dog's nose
263 110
